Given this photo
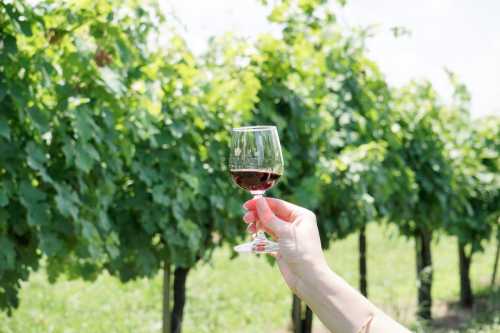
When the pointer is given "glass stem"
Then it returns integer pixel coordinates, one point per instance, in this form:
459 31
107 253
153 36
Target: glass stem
259 233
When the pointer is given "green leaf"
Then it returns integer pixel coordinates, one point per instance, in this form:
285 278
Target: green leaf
192 180
177 211
4 196
123 49
104 221
37 159
39 119
90 234
85 125
8 254
159 195
26 28
85 156
3 91
191 230
67 201
30 195
10 44
112 81
50 244
4 128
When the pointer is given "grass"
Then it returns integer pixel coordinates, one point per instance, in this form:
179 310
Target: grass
247 294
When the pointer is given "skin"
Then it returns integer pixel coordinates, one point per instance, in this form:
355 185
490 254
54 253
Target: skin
341 308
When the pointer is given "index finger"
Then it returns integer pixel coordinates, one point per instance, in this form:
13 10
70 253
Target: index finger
282 209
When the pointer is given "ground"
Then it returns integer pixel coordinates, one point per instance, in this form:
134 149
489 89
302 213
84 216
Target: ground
247 295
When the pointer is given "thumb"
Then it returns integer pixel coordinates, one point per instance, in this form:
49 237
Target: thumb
267 217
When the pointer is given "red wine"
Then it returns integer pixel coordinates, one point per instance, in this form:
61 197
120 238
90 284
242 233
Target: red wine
254 180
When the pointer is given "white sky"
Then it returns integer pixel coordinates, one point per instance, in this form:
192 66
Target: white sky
462 35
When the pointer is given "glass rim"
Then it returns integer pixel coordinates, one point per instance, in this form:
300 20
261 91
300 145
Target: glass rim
254 128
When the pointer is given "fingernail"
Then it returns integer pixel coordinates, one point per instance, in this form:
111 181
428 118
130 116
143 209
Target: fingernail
246 218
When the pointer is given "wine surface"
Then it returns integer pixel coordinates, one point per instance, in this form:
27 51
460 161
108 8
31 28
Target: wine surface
254 180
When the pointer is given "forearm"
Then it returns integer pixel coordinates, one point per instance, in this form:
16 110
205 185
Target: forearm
340 307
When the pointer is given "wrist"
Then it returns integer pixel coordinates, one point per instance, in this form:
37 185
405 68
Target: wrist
313 277
340 307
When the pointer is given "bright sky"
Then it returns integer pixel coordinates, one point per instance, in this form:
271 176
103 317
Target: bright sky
461 35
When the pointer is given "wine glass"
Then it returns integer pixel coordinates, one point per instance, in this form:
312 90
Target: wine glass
256 164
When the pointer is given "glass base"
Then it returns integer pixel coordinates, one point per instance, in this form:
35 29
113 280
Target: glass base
260 244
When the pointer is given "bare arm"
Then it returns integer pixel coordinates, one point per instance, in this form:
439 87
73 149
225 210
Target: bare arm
341 308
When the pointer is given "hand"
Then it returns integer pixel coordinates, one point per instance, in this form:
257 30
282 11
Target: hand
297 233
301 261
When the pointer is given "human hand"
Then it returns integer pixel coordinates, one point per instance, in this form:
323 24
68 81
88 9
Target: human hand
301 261
296 231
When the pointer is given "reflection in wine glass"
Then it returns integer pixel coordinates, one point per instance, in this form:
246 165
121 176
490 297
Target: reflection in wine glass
256 164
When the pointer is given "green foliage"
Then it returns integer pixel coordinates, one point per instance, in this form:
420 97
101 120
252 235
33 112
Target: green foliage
475 154
113 150
332 107
68 82
220 298
177 192
454 160
421 122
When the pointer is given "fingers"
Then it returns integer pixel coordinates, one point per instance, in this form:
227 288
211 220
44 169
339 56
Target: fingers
282 209
252 228
249 217
267 218
269 214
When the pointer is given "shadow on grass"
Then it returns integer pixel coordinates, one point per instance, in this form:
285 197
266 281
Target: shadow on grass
485 312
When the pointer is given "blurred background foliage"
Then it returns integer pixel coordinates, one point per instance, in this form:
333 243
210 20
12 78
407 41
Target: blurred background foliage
113 146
